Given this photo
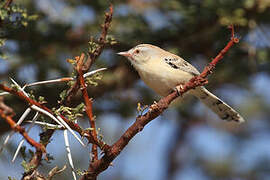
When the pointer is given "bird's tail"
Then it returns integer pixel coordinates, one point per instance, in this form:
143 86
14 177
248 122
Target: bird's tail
223 110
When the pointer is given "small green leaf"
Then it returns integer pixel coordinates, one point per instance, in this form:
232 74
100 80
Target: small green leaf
27 167
63 95
10 178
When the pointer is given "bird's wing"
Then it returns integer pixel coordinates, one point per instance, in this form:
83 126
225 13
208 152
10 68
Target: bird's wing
179 63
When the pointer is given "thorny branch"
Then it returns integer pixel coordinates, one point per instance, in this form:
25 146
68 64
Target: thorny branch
91 57
39 147
73 125
45 136
156 109
37 157
101 41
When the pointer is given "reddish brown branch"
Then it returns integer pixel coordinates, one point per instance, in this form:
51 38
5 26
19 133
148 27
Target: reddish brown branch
101 41
7 110
208 69
37 157
88 106
93 56
7 4
156 109
18 128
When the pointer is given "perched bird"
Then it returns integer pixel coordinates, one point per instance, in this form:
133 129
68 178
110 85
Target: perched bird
163 71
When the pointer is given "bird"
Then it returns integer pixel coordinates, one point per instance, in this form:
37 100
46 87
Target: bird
163 71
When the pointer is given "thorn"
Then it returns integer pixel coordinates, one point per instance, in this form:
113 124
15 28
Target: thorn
178 89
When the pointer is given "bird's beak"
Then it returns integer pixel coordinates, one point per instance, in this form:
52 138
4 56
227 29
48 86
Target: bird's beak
126 54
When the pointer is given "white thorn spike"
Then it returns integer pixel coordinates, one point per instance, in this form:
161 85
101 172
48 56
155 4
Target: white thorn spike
59 120
26 112
69 154
20 88
46 113
70 130
22 141
6 141
17 150
3 93
46 124
34 106
61 79
93 72
46 82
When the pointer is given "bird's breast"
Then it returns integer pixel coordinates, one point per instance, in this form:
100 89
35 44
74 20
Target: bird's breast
162 78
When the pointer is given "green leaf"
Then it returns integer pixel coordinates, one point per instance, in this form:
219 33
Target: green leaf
26 166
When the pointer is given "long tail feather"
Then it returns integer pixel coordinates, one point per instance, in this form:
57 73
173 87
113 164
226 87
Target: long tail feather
223 110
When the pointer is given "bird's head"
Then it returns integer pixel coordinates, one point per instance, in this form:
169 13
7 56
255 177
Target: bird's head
141 54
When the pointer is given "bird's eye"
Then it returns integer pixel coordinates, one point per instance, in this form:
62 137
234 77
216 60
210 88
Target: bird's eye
137 51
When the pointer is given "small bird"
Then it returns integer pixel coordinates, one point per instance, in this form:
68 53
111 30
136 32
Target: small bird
163 72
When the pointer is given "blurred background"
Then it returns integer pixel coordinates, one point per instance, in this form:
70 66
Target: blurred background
187 142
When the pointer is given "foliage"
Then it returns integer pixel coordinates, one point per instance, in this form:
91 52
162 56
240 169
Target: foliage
71 113
26 166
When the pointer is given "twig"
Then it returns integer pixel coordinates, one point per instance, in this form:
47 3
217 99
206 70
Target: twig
18 128
3 106
36 159
22 141
7 4
92 56
88 105
26 112
101 40
102 164
55 171
44 110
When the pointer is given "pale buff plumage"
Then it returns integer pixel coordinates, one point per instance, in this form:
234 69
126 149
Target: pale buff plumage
163 71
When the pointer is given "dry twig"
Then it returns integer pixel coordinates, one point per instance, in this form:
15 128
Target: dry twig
4 107
7 4
18 128
91 57
88 105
